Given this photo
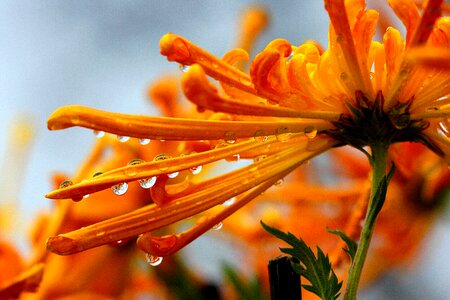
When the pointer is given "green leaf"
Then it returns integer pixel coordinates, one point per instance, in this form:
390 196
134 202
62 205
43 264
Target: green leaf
351 244
317 270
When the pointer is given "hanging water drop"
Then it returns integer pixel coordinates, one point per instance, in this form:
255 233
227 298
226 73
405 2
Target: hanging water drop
260 136
97 174
144 142
120 188
229 202
282 134
279 182
173 175
196 170
123 138
230 137
65 183
160 157
310 132
153 260
99 133
135 161
218 226
184 68
147 182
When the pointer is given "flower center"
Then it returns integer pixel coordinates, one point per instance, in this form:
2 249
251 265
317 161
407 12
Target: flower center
369 124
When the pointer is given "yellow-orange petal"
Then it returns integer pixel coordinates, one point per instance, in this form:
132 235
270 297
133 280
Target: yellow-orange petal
172 243
343 38
431 12
197 89
208 195
177 48
408 13
161 128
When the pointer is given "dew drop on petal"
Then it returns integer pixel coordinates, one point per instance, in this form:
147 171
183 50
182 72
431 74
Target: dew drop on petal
218 226
135 161
184 68
153 260
282 134
279 182
120 188
97 174
310 132
99 133
229 202
260 136
147 182
173 175
144 141
65 183
123 138
85 196
196 170
230 137
160 157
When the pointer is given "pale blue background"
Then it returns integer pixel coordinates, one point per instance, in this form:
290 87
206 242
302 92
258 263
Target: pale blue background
104 53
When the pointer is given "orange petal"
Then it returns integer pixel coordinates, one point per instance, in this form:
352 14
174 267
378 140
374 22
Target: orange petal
161 128
209 195
431 13
344 40
408 13
178 49
170 244
197 89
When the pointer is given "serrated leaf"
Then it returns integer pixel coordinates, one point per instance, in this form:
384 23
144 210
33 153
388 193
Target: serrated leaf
317 270
351 244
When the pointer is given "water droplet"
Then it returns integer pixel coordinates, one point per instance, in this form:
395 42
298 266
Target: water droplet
65 183
123 138
160 157
259 158
279 182
173 175
432 108
215 65
120 188
144 141
339 38
218 226
136 161
184 68
147 182
245 80
234 158
371 75
99 133
282 134
260 136
196 170
229 202
97 174
230 137
86 196
153 260
310 132
343 76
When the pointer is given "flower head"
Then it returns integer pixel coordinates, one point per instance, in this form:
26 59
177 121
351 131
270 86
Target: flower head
294 103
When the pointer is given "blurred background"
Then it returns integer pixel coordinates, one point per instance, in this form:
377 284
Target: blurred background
104 54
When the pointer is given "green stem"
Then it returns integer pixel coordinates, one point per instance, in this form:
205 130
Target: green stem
378 162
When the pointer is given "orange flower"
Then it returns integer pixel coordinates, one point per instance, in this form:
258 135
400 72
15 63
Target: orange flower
295 103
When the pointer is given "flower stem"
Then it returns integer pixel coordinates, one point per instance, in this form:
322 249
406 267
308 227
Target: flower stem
377 197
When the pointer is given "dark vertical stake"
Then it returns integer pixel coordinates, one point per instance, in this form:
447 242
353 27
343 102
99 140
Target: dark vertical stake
284 281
